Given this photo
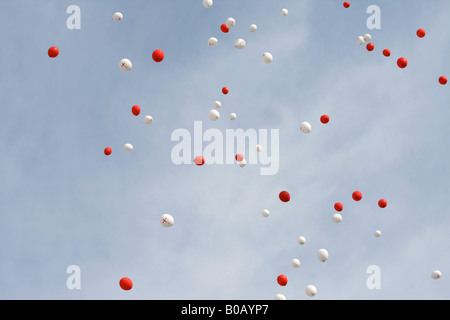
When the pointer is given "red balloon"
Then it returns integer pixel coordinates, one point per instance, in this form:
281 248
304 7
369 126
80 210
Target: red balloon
282 280
199 160
420 33
346 4
370 46
53 52
443 80
324 118
386 52
224 28
108 151
158 55
225 90
126 283
338 206
136 110
402 62
357 195
239 157
284 196
382 203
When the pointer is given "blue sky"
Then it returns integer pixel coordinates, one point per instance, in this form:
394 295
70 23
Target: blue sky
63 202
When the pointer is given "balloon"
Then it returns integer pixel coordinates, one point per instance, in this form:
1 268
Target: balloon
284 12
53 52
166 220
258 148
370 47
158 55
117 16
128 147
436 274
253 27
382 203
280 296
386 52
239 157
367 37
136 110
336 218
199 160
212 41
217 104
242 163
282 280
284 196
213 114
420 33
232 116
225 90
301 240
265 213
295 263
322 254
230 22
377 233
402 62
338 206
239 43
311 290
324 118
267 57
443 80
125 65
126 283
224 28
148 119
360 40
357 195
107 151
305 127
346 4
207 3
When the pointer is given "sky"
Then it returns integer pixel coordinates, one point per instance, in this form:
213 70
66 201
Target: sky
63 202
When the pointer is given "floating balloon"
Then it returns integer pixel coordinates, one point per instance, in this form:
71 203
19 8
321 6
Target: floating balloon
117 16
158 55
310 290
386 52
338 206
336 218
267 57
436 274
284 12
301 240
280 296
207 3
282 280
239 157
148 119
199 160
230 22
233 116
239 44
322 254
346 4
370 46
377 233
53 52
126 283
420 33
284 196
253 27
217 104
212 41
224 28
382 203
443 80
305 127
166 220
265 213
357 195
225 90
128 147
107 151
213 114
295 263
360 40
367 37
136 110
242 163
125 65
258 148
402 62
324 118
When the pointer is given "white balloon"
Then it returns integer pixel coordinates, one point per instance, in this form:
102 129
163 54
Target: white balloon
242 163
253 27
265 213
117 16
280 296
301 240
233 116
305 127
207 3
436 274
295 263
258 148
311 290
148 119
125 64
217 104
166 220
336 217
230 22
267 57
367 37
377 233
360 40
284 12
322 254
128 147
212 41
213 115
239 43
